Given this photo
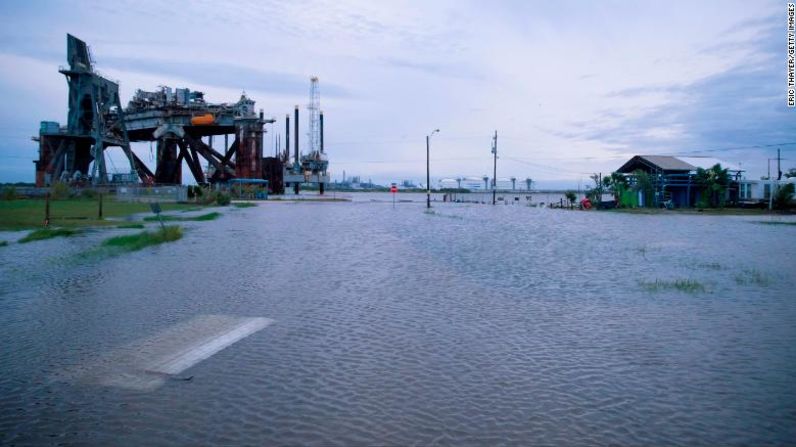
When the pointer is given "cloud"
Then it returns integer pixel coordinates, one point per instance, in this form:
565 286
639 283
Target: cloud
224 75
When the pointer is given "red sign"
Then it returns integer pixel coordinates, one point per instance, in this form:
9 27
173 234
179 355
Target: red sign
393 189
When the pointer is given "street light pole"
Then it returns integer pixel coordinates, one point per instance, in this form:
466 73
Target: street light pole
494 170
428 169
428 174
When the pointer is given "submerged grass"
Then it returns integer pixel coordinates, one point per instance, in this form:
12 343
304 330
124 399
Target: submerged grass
244 205
774 222
434 213
681 285
708 265
168 218
47 233
753 277
3 243
144 239
131 225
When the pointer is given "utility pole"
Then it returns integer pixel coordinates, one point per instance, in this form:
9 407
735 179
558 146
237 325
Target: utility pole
779 169
494 170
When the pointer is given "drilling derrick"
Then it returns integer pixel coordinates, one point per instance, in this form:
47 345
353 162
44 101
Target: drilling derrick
312 166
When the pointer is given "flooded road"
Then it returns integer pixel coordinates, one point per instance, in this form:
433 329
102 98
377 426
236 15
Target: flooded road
473 325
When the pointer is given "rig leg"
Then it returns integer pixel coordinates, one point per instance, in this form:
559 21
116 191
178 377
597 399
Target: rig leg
321 187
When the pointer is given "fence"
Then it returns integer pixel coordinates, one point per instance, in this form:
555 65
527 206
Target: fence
176 193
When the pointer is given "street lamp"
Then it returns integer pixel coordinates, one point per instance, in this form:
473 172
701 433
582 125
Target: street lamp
428 169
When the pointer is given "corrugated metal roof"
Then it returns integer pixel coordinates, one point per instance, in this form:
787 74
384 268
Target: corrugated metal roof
709 162
671 163
668 163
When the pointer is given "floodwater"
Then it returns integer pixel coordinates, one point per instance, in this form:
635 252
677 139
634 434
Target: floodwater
358 324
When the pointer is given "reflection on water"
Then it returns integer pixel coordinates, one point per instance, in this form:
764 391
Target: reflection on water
472 325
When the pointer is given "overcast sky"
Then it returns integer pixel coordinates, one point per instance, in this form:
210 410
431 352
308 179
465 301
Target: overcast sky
572 87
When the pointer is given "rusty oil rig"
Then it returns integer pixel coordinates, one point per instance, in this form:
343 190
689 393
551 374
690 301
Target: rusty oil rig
178 121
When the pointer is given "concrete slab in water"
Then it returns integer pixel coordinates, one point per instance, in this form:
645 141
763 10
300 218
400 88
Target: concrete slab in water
146 364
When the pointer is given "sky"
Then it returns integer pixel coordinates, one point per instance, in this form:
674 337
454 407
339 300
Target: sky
571 87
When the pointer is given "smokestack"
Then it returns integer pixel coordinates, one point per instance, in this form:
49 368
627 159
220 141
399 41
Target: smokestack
287 138
296 127
321 132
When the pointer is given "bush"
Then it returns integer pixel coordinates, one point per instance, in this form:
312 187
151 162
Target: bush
9 193
223 199
784 196
60 191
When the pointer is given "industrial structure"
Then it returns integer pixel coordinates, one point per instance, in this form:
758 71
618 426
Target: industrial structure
312 166
177 121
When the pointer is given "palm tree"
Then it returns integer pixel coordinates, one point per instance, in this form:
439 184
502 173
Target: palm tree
571 197
714 182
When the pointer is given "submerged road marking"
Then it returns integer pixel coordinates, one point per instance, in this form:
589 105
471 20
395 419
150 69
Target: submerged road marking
146 364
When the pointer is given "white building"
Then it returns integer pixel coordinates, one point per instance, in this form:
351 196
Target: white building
759 190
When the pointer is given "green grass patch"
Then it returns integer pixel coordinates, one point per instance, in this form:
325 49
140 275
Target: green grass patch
244 204
774 222
25 214
204 217
752 277
47 233
708 265
3 243
144 239
131 225
681 285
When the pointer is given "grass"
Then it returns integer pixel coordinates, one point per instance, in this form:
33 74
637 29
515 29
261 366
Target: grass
774 222
709 265
244 205
681 285
204 217
47 233
434 213
25 214
144 239
3 243
753 277
131 225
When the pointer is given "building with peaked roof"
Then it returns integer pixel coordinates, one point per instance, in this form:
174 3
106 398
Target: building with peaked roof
674 178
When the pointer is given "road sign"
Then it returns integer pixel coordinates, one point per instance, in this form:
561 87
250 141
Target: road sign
393 189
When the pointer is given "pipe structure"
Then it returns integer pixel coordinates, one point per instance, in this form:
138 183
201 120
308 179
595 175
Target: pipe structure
296 133
321 117
296 143
287 138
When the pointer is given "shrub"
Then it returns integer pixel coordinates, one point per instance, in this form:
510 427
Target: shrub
60 190
223 199
9 193
783 196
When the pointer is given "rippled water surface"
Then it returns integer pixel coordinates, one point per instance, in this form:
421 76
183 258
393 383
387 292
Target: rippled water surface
472 325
